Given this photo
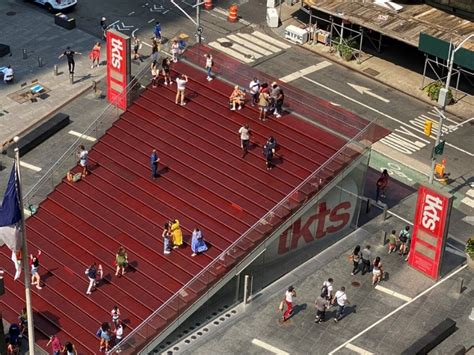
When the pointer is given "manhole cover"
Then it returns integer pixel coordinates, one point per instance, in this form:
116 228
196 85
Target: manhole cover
355 284
11 13
226 44
371 71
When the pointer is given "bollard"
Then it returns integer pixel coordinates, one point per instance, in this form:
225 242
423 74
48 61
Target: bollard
385 209
367 206
383 237
246 288
25 53
40 62
461 285
55 70
471 317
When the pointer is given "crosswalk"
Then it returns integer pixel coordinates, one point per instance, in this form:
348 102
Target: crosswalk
249 47
469 198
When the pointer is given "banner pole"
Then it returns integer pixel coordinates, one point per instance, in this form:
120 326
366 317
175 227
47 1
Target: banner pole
24 251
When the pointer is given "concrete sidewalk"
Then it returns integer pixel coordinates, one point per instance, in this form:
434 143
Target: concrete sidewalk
378 68
23 27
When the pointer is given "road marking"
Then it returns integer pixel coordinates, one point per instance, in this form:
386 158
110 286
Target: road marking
83 136
131 13
373 325
267 45
468 201
241 49
30 166
470 192
230 52
269 347
393 293
271 40
363 90
151 20
305 71
381 113
135 30
358 350
249 45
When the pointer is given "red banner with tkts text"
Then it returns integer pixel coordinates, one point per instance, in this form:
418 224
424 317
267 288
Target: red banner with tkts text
430 231
118 68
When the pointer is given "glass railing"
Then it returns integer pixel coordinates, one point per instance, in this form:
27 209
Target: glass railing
200 287
96 129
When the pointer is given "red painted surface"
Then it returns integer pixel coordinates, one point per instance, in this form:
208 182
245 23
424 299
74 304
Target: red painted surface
430 231
204 182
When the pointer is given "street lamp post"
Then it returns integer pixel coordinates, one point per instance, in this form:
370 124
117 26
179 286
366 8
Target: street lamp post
443 95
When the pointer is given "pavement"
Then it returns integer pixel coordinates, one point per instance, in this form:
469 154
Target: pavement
378 321
42 39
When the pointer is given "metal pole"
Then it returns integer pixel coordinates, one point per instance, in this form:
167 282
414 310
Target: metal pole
246 288
198 21
3 345
24 250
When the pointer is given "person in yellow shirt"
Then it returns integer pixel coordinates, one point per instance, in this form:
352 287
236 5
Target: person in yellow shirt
176 234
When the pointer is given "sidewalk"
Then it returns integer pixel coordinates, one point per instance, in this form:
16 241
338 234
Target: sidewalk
23 27
384 71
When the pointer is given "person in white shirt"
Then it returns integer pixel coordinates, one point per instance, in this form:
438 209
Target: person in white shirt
289 294
340 299
208 66
181 86
254 88
327 289
244 132
83 158
8 75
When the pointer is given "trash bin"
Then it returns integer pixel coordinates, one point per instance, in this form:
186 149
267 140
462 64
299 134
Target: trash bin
272 17
64 21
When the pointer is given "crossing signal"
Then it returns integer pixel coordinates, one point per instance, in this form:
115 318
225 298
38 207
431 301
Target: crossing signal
438 150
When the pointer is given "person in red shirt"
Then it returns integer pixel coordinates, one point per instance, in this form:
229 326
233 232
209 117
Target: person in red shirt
55 344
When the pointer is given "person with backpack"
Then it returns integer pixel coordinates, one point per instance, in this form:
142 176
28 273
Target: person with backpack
355 257
268 151
104 334
404 238
289 294
91 273
340 300
327 289
321 305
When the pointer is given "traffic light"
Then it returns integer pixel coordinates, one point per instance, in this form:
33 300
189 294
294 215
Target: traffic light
438 150
428 125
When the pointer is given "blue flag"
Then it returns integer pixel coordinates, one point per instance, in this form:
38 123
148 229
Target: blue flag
10 214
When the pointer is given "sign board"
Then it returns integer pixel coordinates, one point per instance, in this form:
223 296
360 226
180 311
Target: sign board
118 68
433 209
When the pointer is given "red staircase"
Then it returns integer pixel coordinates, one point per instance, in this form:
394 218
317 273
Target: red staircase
204 182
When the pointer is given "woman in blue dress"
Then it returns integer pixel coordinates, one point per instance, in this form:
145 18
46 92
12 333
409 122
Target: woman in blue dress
198 245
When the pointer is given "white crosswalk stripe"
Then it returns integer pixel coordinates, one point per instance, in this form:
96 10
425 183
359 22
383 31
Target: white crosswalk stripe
249 47
468 200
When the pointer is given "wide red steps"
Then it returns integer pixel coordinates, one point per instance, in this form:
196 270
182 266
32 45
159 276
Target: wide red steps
204 182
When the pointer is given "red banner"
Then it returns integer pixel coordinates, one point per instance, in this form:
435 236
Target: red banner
432 213
118 68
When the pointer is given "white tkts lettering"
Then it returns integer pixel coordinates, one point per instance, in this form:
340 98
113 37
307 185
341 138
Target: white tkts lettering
432 206
117 50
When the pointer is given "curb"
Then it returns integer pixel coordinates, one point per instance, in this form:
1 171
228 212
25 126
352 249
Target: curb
83 90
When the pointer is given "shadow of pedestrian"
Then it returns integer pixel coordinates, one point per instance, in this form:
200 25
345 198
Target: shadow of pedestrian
83 78
298 308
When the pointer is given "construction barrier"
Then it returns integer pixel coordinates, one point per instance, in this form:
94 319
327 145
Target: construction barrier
440 172
208 4
232 17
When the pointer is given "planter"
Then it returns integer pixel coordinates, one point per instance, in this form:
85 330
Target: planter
470 261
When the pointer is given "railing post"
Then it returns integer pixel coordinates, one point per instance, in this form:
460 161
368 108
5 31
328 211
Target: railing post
246 288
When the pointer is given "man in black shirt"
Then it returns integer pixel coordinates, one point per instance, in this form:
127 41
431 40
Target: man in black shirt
70 59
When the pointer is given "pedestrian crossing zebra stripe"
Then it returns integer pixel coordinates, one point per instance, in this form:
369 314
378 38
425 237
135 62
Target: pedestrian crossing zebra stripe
241 49
271 39
260 42
247 44
230 52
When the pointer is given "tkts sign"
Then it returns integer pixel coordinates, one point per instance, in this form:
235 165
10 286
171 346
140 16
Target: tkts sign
118 68
431 228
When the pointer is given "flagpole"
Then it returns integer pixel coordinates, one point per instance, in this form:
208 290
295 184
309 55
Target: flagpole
24 251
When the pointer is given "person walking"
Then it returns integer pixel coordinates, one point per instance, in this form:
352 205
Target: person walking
254 88
94 55
34 264
103 27
91 273
154 159
104 335
321 305
277 98
340 300
155 73
157 33
69 53
289 294
174 51
404 238
176 234
165 70
263 102
208 66
377 271
115 313
198 245
118 332
83 159
327 289
244 133
269 149
392 242
166 238
69 349
181 87
55 344
121 261
136 47
382 183
355 257
154 52
365 257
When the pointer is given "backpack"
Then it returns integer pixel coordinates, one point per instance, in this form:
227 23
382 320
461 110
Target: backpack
403 236
99 332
